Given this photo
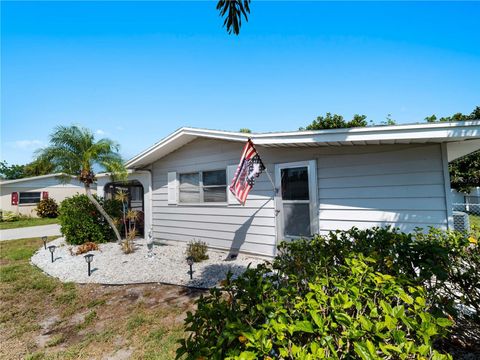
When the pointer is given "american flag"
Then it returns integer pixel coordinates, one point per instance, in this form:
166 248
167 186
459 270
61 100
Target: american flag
249 168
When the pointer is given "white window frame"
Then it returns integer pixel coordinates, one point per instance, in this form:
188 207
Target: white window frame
311 166
201 187
29 192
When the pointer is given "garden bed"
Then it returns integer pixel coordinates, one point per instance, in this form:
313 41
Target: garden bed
111 266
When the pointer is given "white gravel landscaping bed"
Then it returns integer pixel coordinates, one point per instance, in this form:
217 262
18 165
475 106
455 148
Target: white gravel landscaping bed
111 266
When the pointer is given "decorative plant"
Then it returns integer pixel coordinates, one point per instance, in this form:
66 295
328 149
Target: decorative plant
130 225
197 250
47 208
130 218
127 244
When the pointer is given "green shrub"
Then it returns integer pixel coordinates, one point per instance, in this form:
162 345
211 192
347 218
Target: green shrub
81 222
442 261
350 312
9 216
47 208
357 293
197 250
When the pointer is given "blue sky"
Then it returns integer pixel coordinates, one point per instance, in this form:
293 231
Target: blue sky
136 71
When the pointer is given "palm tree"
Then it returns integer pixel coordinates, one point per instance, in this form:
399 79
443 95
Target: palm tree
74 151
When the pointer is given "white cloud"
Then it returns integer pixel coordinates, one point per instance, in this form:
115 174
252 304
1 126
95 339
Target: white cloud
119 128
26 144
100 132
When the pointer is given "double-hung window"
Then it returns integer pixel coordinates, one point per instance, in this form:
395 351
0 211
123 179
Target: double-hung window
203 186
29 198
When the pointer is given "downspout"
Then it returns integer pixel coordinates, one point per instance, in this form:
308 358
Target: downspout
447 188
150 200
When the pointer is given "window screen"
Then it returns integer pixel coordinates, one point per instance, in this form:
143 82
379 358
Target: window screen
205 186
190 188
29 198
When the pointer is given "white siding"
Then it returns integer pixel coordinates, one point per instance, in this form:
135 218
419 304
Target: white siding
398 186
363 186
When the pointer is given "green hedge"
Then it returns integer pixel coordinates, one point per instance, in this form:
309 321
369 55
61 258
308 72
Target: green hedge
365 294
81 222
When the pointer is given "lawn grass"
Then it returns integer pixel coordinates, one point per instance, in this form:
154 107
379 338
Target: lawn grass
43 318
27 222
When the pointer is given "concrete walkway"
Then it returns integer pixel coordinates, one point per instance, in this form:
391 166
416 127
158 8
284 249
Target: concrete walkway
29 232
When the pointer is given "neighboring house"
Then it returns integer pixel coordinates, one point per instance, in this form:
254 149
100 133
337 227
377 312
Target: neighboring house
22 195
325 180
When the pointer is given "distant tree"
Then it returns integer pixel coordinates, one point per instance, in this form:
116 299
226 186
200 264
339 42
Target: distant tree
11 172
245 130
465 172
39 167
474 115
35 168
73 150
389 121
232 11
336 121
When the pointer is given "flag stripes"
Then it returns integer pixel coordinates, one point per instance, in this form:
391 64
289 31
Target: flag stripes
249 168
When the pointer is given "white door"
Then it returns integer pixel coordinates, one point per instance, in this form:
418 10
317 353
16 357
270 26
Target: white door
296 200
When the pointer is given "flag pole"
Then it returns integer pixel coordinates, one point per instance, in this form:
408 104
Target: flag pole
275 190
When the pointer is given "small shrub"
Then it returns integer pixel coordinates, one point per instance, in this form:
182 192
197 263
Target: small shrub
81 222
127 245
197 250
47 208
9 216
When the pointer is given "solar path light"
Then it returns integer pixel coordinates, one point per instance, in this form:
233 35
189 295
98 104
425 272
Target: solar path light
44 238
190 263
88 259
52 250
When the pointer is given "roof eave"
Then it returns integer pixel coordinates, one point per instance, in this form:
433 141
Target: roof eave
430 132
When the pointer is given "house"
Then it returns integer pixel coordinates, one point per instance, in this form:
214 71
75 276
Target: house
22 195
323 180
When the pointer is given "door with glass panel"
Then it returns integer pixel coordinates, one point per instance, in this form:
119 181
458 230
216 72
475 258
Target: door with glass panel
296 200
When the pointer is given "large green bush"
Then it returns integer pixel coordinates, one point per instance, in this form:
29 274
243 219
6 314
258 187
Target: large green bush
351 294
81 222
351 312
47 208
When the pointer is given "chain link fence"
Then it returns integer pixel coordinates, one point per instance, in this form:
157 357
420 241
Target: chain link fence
466 215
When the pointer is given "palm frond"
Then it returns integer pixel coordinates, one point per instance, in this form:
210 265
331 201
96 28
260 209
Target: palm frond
233 10
73 150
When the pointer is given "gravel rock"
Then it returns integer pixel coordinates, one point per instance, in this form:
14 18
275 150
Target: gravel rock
111 266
